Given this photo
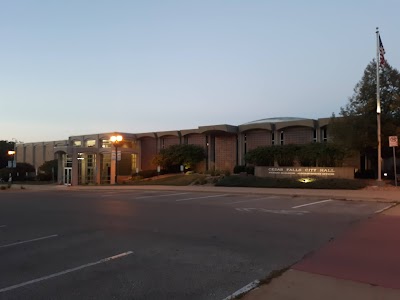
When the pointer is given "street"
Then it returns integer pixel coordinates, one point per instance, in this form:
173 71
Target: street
146 244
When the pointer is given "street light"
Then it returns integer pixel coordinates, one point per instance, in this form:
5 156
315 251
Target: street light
12 165
116 140
12 154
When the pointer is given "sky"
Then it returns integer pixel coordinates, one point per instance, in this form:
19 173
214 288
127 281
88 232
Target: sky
89 66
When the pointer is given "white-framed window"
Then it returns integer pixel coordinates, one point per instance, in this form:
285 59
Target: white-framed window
90 143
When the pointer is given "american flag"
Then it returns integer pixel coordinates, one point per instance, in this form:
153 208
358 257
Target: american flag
381 53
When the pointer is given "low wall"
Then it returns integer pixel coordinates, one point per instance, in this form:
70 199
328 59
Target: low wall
288 172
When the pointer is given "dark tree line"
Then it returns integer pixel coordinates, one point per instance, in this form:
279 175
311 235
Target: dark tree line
356 130
5 146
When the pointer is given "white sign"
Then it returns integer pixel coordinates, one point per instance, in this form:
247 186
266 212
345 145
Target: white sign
113 155
393 142
119 155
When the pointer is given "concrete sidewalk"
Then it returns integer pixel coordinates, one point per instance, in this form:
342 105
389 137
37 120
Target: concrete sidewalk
363 263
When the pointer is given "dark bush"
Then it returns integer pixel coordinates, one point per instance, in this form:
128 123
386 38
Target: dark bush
239 169
150 173
22 172
313 154
48 170
250 170
366 174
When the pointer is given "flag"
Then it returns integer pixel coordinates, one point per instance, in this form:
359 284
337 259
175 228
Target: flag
381 53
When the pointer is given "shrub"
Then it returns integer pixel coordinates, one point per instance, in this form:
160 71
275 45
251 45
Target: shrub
172 157
48 170
239 169
313 154
261 156
366 174
250 170
148 173
227 173
214 172
243 169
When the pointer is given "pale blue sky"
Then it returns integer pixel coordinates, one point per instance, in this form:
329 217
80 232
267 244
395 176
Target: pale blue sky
77 67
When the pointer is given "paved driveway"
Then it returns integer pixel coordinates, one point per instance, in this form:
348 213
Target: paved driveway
144 244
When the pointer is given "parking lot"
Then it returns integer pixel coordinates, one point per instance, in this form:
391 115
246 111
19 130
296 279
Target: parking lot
147 244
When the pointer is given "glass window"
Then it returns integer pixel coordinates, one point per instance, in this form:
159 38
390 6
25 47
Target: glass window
134 162
106 144
129 144
76 143
325 135
90 160
90 143
67 161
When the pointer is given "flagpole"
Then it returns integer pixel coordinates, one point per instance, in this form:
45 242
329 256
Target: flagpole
378 106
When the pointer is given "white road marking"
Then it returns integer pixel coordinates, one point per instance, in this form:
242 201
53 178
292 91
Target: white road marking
243 290
312 203
385 208
12 287
166 195
243 201
28 241
108 195
1 226
274 211
194 198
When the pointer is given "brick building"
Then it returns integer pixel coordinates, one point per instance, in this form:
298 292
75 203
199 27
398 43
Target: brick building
90 159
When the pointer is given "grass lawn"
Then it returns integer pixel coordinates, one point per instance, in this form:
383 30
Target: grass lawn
175 180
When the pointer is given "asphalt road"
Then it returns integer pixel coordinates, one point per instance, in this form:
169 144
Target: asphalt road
157 244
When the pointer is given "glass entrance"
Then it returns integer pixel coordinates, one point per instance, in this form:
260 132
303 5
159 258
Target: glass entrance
67 176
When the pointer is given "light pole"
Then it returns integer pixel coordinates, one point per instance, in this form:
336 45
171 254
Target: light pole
116 140
11 153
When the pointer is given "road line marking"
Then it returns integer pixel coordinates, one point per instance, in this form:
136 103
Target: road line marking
12 287
243 290
213 196
312 203
28 241
243 201
152 196
385 208
1 226
273 211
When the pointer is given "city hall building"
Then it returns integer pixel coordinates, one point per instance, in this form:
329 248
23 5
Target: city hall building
92 159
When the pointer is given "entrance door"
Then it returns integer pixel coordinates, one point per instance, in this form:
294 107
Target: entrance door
67 176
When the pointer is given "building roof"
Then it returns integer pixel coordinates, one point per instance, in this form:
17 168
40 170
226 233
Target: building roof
275 120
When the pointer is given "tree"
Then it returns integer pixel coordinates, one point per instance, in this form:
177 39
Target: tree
48 170
5 146
173 156
308 155
357 129
23 171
